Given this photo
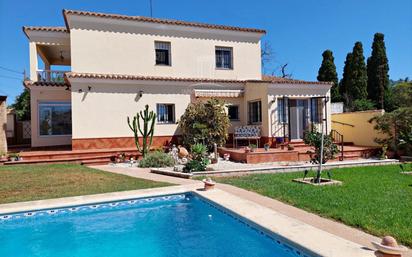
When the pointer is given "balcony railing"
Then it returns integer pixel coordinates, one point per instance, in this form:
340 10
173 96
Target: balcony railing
50 76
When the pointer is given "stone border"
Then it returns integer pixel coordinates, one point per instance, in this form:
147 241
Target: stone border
303 236
309 181
172 173
270 169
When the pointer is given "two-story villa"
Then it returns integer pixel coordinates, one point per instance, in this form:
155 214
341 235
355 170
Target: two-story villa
116 64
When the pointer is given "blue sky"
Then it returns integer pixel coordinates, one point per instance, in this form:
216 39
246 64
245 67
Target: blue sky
298 30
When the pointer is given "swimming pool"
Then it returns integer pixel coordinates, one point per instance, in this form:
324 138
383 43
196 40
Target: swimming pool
173 225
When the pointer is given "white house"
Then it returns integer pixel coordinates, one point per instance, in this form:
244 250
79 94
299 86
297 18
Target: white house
115 64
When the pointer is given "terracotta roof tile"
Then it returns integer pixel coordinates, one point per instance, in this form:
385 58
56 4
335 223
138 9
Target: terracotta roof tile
28 83
161 21
136 77
38 28
280 80
42 28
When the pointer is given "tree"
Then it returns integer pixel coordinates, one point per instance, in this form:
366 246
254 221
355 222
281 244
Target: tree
399 94
402 94
354 81
397 126
327 72
344 83
378 68
267 56
205 122
22 105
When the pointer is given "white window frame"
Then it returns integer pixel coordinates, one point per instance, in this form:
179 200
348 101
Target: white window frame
259 122
158 115
231 57
159 45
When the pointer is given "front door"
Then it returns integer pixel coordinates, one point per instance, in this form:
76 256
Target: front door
298 117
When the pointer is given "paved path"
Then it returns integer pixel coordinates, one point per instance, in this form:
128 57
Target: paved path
325 224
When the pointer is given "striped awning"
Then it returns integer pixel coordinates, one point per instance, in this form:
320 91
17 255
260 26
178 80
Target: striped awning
219 93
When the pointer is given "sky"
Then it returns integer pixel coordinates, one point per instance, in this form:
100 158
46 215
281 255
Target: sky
297 30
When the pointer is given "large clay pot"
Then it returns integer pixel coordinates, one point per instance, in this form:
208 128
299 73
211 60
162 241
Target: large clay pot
183 152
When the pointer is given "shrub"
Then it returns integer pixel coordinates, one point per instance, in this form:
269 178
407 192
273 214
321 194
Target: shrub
199 151
199 160
205 122
397 126
363 105
314 139
196 165
156 159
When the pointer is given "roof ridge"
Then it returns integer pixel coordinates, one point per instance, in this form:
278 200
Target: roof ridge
160 20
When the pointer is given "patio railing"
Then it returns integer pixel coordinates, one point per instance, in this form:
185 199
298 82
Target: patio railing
338 139
50 76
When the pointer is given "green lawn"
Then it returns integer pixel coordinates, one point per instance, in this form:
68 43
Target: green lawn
376 199
35 182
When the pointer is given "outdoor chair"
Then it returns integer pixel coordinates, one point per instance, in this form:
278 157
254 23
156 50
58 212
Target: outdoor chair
249 132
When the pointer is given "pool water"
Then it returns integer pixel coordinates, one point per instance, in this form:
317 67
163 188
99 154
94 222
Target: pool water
177 225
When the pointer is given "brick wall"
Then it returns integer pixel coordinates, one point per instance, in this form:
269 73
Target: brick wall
3 124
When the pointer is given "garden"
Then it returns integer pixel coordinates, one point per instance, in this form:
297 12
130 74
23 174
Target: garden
376 199
37 182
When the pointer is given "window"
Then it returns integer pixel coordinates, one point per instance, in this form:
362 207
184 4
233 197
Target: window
224 57
55 119
233 112
316 110
282 110
165 113
162 53
255 112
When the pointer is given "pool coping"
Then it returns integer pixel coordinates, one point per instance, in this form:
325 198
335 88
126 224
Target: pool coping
275 168
294 232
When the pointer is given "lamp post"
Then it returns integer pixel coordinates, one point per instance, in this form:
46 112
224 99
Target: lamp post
321 142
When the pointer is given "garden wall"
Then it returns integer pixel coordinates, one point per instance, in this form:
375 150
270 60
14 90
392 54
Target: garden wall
355 127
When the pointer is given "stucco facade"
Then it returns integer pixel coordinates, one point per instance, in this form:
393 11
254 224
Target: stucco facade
113 74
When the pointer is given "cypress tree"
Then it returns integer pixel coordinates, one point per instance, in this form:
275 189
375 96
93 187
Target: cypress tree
358 75
327 72
344 82
378 68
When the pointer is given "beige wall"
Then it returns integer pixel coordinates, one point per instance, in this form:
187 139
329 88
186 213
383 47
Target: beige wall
355 127
258 91
128 48
39 94
102 112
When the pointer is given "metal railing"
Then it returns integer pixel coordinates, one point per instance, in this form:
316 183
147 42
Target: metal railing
343 123
338 139
50 76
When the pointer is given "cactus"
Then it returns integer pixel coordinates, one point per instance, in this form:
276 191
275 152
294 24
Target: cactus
147 132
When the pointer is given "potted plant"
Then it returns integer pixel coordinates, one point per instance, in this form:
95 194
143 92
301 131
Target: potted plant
252 147
279 141
266 146
14 157
3 156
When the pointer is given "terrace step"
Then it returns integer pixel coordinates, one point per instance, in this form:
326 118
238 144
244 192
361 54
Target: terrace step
43 155
80 160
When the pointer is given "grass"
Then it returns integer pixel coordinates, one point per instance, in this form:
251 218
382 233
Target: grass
35 182
376 199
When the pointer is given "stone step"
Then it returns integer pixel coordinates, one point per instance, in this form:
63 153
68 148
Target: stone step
45 155
79 160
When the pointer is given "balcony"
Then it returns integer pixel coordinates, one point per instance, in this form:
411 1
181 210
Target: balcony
50 76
